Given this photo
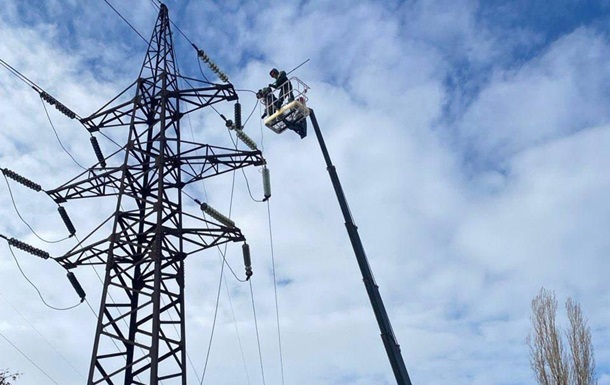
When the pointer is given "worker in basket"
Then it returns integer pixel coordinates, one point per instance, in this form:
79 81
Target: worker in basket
283 84
272 104
269 101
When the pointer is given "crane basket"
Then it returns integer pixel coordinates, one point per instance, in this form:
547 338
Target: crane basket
286 106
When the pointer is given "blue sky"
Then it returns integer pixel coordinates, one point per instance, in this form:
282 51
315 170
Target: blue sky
471 138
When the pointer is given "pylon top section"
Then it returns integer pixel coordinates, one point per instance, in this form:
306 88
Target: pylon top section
158 80
160 53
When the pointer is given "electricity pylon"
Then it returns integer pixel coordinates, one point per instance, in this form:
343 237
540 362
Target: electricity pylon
140 336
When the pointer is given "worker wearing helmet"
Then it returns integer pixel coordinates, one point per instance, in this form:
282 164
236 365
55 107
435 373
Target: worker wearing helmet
283 84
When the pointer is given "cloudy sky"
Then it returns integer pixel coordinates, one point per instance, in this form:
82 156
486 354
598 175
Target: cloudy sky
469 137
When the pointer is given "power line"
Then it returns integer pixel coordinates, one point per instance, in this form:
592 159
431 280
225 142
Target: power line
125 20
10 191
57 135
207 356
277 311
41 335
36 288
241 350
258 340
28 358
18 74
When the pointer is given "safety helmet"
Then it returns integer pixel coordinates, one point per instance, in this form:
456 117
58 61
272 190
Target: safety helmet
273 72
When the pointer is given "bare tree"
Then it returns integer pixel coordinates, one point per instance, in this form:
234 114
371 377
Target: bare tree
581 348
548 357
6 377
550 362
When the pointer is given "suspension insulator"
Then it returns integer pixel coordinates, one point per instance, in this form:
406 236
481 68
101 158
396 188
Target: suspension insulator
246 139
247 260
237 116
76 285
28 248
66 219
216 215
266 183
47 98
98 151
206 59
20 179
60 107
203 56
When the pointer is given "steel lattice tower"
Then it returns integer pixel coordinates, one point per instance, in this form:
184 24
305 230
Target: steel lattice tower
140 336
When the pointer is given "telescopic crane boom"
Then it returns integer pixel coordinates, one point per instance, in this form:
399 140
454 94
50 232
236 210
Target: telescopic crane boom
387 334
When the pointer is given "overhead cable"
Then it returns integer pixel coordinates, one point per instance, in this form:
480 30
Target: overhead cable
57 135
125 20
258 340
10 191
28 358
277 308
42 336
36 287
207 356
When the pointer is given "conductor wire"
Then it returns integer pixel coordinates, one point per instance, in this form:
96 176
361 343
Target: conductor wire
21 76
277 311
28 358
36 288
207 356
57 135
10 191
125 20
258 340
42 336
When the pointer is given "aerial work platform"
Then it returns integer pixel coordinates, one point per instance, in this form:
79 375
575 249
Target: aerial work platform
286 107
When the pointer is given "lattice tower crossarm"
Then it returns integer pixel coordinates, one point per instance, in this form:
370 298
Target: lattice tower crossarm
140 335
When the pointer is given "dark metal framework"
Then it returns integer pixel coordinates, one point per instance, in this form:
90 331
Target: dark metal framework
140 336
